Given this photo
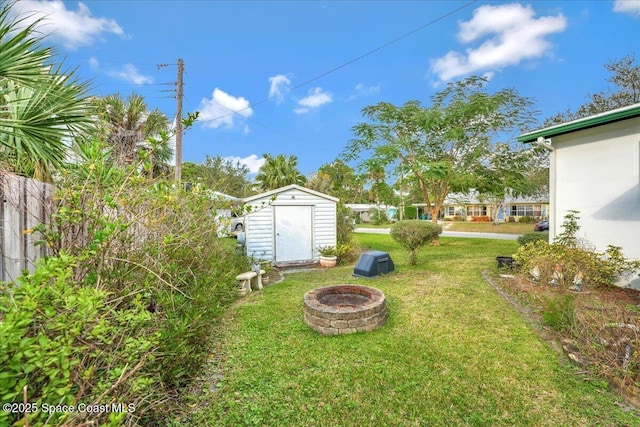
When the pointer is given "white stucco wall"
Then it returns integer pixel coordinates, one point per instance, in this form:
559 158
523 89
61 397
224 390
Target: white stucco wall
260 224
597 172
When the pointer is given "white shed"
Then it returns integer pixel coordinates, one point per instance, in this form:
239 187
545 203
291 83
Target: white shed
288 224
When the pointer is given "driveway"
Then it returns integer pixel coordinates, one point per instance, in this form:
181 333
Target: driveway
499 236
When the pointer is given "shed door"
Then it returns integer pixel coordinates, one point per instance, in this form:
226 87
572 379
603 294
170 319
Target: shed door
293 233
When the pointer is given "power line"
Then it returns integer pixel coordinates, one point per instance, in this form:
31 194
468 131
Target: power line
358 58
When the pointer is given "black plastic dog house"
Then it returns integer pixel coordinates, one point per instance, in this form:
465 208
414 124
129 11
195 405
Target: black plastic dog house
373 264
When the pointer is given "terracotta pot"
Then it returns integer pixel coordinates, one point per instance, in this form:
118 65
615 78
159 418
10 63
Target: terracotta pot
328 261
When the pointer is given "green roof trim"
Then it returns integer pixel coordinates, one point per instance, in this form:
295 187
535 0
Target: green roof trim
584 123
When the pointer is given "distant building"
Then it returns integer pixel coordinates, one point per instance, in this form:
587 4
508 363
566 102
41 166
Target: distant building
467 206
365 211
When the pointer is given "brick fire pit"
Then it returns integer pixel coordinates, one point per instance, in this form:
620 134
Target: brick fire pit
344 309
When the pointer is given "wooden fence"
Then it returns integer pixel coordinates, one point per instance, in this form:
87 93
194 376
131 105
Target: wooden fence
25 204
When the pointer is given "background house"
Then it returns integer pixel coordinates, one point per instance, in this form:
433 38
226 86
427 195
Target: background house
287 225
595 169
365 211
467 206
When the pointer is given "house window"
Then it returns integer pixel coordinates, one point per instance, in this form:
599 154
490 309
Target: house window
449 211
476 210
526 210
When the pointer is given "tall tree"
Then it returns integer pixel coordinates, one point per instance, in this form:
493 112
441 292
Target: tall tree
279 171
127 125
219 174
506 174
339 180
625 77
43 107
439 146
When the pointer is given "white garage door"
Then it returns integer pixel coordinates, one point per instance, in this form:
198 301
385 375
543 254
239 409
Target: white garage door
294 233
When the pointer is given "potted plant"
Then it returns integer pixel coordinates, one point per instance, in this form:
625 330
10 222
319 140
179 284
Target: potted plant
328 257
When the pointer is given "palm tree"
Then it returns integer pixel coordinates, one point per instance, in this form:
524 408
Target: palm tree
127 126
42 106
279 171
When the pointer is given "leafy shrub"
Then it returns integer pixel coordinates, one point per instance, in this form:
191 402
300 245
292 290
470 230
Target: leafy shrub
346 220
483 218
414 234
533 237
596 268
378 216
346 253
68 345
525 220
410 212
560 313
327 250
153 277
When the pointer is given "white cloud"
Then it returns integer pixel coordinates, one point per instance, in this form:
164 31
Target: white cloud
512 34
74 28
315 99
632 7
222 108
94 63
253 162
361 91
279 86
128 73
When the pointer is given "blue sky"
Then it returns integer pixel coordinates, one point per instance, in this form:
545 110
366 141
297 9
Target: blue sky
298 73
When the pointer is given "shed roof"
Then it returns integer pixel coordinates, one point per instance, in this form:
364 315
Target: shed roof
616 115
287 188
220 195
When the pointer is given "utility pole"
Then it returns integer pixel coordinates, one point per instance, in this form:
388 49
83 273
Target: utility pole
179 96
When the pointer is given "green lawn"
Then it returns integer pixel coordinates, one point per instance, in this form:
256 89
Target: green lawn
480 227
452 352
488 227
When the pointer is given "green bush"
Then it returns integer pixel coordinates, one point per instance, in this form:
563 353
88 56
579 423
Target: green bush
149 275
533 237
346 220
378 217
67 344
560 313
414 234
410 212
595 268
526 220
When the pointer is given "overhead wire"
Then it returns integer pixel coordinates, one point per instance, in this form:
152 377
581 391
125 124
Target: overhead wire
356 59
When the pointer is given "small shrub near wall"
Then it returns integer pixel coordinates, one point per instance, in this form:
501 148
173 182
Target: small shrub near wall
533 237
560 313
483 218
345 249
568 256
526 220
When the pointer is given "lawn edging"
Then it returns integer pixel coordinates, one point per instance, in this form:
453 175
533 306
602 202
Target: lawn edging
565 348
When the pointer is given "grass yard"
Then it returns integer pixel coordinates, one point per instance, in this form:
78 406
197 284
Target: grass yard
452 352
488 227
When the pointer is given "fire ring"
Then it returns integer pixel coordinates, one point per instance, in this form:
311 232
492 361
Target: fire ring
344 309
